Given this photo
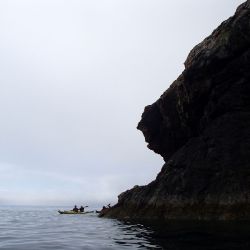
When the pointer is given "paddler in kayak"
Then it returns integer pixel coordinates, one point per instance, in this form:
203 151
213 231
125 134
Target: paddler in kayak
75 209
81 209
108 206
104 210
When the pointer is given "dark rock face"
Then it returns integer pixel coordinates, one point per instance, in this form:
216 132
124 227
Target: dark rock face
201 127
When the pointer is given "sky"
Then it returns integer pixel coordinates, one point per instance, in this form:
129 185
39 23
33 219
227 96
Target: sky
75 76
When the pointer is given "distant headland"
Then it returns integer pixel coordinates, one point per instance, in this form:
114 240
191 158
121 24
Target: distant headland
201 127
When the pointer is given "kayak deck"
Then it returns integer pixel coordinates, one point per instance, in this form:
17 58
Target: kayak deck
72 212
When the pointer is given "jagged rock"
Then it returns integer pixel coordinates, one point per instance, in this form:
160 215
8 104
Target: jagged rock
201 127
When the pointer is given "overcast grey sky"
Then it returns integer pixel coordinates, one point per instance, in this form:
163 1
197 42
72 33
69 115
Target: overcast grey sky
75 76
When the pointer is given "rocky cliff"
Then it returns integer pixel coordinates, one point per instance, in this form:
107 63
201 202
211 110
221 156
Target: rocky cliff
201 127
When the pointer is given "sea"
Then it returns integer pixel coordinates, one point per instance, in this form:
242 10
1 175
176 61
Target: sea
37 228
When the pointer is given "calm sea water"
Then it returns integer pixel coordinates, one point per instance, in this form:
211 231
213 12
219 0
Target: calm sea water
36 228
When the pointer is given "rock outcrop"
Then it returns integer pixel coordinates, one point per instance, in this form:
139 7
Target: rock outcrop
201 127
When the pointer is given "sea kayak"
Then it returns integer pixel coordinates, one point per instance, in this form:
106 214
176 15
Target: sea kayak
72 212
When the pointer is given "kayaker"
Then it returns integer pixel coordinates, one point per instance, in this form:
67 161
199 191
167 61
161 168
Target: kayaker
75 209
81 209
105 207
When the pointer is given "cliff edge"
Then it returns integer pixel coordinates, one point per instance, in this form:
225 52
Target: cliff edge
201 127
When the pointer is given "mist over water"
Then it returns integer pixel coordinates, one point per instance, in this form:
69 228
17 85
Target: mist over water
29 228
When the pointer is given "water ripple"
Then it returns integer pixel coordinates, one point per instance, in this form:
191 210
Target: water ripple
30 229
40 229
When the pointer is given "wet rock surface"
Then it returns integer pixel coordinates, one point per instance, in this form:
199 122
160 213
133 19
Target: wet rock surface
201 127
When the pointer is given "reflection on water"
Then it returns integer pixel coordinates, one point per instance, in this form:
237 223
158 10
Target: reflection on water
136 234
43 228
200 235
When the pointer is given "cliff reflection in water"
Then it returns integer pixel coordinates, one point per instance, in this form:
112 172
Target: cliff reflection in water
192 235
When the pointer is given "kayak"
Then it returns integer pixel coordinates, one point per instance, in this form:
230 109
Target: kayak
72 212
102 212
